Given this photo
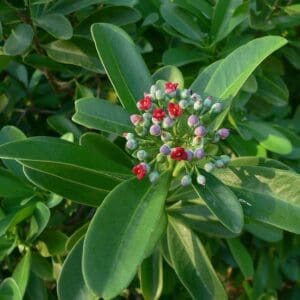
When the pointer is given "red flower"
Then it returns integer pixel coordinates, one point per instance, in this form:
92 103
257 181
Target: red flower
170 87
179 153
174 110
145 103
140 171
158 114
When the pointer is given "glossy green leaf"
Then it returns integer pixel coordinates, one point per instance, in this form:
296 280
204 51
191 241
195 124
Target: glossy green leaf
21 273
70 283
70 170
241 256
19 40
125 221
11 186
202 6
222 202
9 290
169 73
192 264
76 236
102 115
151 276
36 288
57 25
42 267
77 51
268 195
182 21
101 144
124 65
269 137
235 69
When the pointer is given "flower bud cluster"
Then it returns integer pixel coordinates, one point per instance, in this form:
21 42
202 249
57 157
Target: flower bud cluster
173 125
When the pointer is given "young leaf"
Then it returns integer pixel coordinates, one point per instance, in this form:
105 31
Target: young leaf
222 202
241 256
19 40
119 234
21 273
70 282
169 73
102 115
192 264
124 65
151 276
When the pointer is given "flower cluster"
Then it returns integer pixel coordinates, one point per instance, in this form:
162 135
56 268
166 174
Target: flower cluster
173 125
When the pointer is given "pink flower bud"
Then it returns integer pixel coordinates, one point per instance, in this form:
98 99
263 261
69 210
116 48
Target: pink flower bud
223 133
200 131
193 120
136 119
155 130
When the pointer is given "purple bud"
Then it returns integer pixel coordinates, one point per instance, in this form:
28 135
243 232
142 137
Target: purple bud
193 120
155 130
190 154
199 153
131 144
201 179
167 122
136 119
200 131
186 180
223 133
165 149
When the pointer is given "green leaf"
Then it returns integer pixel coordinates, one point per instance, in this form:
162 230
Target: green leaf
42 267
19 40
76 236
15 218
57 25
293 9
77 51
222 202
182 56
269 137
70 170
241 256
39 220
268 195
227 15
9 290
235 69
192 264
21 273
204 76
36 288
196 215
70 283
124 65
105 147
117 15
151 276
169 73
182 21
63 125
52 243
125 221
12 187
102 115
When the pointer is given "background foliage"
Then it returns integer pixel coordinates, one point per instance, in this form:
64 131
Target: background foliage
246 53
